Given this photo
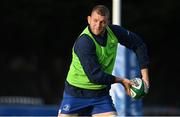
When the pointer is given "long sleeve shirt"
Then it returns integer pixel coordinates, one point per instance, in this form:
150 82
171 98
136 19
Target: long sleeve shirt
85 49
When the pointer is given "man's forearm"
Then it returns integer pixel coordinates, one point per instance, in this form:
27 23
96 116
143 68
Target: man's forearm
145 75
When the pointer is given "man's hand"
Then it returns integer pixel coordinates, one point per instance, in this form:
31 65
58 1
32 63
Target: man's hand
126 83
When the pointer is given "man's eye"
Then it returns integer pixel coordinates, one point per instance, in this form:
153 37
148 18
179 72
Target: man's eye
103 22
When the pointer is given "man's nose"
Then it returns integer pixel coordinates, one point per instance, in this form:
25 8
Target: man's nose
98 24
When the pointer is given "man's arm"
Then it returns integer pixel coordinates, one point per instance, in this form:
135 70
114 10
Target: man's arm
145 76
85 49
135 43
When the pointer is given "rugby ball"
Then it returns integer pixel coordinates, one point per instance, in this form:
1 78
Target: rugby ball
138 89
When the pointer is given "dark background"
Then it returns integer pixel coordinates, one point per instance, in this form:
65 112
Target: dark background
37 37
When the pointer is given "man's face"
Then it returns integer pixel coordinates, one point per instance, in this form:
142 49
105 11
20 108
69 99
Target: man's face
97 23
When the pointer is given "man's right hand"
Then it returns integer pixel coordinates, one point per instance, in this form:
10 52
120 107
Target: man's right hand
126 83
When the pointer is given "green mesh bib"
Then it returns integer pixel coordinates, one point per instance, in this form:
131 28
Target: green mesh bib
106 57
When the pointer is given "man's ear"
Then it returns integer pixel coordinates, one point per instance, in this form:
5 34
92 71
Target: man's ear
88 19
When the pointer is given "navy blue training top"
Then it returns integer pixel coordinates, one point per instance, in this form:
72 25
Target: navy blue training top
85 49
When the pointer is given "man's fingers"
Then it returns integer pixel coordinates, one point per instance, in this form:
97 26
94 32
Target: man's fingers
131 83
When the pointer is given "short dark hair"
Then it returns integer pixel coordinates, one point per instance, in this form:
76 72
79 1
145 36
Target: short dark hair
101 10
